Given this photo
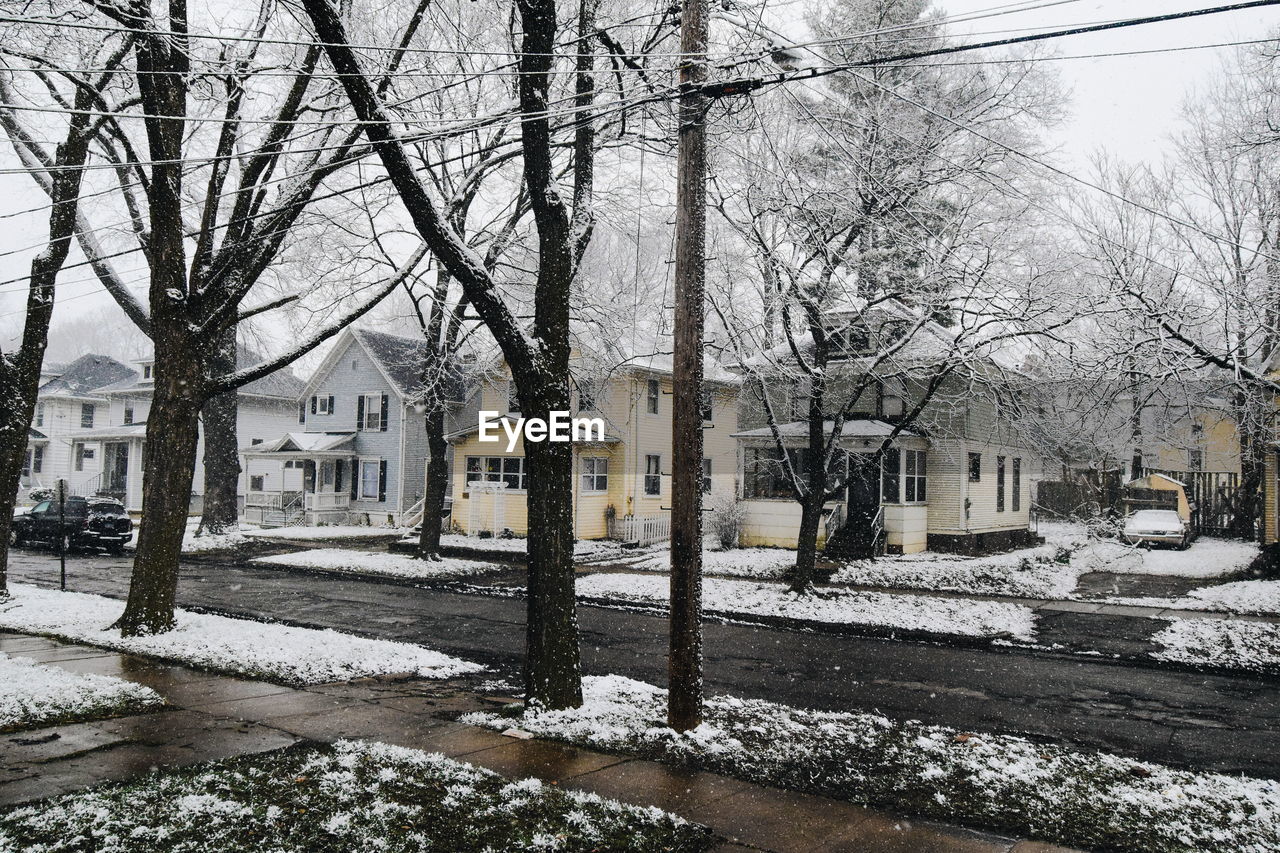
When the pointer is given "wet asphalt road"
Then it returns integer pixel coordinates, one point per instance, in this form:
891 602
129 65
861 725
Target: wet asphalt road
1228 724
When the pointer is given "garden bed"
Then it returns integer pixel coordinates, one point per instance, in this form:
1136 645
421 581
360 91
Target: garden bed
352 796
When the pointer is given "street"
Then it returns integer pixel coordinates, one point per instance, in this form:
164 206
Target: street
1212 722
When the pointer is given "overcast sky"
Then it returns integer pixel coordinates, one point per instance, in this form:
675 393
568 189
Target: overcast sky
1127 105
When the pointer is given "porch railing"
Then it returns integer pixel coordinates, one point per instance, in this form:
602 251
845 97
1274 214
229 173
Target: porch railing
327 501
833 522
642 529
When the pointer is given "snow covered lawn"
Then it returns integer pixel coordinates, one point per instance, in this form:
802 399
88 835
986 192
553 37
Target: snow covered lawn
1257 598
352 796
193 544
240 646
38 695
1206 558
330 531
1042 572
1001 782
761 563
835 606
374 563
1231 643
584 549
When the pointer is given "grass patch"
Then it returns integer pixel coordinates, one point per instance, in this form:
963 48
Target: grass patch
1053 793
35 695
352 796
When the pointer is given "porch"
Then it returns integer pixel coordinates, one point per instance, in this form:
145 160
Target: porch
300 479
881 504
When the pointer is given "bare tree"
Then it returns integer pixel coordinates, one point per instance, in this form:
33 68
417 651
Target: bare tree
63 171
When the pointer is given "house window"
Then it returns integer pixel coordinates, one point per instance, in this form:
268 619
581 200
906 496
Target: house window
370 479
302 413
1017 483
371 412
891 476
255 441
999 484
1195 460
915 466
86 415
595 474
848 342
798 403
975 467
587 397
322 404
81 454
26 464
128 414
258 483
37 459
706 475
707 401
146 371
653 474
513 398
355 365
498 469
653 393
765 474
40 415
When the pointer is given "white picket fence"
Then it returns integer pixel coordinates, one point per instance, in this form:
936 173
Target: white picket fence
643 529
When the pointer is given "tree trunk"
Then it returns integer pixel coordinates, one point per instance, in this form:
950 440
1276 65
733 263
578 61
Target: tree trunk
802 573
553 672
437 483
221 446
168 470
13 448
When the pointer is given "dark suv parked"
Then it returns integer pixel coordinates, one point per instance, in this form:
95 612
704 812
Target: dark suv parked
86 523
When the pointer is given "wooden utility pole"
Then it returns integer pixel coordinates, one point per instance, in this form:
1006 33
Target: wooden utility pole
684 709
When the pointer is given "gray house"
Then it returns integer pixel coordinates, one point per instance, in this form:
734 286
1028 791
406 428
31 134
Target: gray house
358 455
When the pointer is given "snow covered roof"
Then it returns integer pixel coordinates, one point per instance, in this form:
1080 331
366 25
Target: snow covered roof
137 430
401 359
859 428
282 384
86 375
663 363
305 442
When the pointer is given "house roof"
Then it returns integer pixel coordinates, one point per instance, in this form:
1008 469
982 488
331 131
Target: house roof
400 359
664 364
305 442
135 430
87 375
282 384
857 428
34 434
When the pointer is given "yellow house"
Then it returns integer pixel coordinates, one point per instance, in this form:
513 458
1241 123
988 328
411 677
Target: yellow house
622 481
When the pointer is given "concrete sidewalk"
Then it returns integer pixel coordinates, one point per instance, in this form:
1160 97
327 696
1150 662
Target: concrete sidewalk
209 717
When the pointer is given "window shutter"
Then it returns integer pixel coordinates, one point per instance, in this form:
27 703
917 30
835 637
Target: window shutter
338 465
313 404
360 412
355 480
384 412
302 412
331 404
382 480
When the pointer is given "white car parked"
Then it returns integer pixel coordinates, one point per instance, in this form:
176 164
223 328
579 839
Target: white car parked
1157 527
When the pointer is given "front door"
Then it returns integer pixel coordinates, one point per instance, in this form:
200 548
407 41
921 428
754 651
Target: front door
864 486
116 468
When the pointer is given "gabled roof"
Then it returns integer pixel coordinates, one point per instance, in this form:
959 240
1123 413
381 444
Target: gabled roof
400 359
282 384
663 364
86 375
305 442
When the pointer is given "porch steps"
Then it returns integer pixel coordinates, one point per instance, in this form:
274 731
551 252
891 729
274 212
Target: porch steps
857 539
275 518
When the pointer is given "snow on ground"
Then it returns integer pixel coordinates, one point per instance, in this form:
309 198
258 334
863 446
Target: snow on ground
829 605
1232 643
241 646
1043 790
1258 598
761 563
351 796
1206 558
583 549
328 531
36 695
1042 572
193 544
374 563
